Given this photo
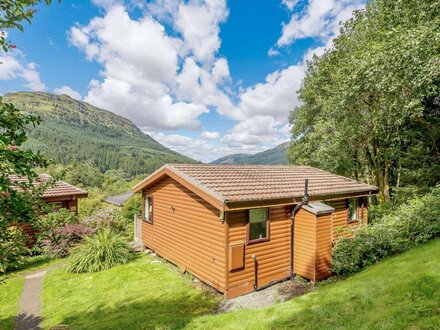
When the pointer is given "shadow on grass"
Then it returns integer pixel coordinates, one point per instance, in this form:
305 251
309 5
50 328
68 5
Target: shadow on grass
26 322
22 322
415 303
162 313
31 263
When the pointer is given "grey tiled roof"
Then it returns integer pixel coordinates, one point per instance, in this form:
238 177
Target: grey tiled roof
120 199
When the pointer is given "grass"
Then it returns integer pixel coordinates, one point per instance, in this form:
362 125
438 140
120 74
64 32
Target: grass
11 286
401 292
10 292
144 294
398 293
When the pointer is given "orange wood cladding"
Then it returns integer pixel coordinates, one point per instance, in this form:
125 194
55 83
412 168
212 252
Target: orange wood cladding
196 236
187 231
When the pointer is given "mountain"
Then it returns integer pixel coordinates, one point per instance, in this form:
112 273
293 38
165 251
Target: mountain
275 156
75 131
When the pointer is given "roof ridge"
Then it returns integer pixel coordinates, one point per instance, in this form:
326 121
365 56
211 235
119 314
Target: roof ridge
197 183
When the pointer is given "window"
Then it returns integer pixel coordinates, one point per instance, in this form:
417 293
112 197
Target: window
258 228
353 208
148 208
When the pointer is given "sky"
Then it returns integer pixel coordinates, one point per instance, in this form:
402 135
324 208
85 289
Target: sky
206 78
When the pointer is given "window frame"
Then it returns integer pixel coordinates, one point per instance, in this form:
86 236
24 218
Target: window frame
359 207
248 227
144 211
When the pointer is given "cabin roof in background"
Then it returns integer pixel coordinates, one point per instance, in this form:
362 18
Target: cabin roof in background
60 188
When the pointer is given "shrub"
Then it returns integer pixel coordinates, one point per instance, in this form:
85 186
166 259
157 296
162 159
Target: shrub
12 248
103 251
58 218
410 225
110 219
47 223
61 239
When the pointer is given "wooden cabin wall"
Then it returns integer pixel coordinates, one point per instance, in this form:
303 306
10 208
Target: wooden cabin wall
273 255
340 218
323 250
304 244
187 231
312 245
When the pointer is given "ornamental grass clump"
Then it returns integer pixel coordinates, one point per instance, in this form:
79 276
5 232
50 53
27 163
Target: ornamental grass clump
104 250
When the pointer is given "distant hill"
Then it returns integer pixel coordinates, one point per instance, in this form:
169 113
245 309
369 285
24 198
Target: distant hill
75 131
275 156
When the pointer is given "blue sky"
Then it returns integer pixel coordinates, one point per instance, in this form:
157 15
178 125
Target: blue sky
204 77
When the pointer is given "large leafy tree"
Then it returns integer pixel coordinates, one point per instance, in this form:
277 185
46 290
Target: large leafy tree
16 206
370 105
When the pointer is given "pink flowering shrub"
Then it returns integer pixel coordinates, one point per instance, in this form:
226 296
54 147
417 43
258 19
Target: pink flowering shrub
61 239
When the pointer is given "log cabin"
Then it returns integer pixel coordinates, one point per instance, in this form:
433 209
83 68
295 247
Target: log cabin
241 228
61 195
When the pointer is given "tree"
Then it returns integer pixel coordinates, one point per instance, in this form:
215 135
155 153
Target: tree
370 104
16 206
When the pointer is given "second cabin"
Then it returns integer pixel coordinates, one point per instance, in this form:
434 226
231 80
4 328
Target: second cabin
239 228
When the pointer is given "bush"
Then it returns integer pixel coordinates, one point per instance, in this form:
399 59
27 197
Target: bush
46 223
61 239
110 219
410 225
12 248
103 251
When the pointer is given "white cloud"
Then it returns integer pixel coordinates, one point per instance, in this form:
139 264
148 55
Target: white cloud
320 19
163 71
205 149
14 66
157 80
68 91
199 21
210 135
275 97
196 148
290 4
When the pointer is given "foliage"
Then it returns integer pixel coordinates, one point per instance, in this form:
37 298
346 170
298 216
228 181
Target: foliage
132 207
47 222
12 248
12 13
111 219
370 105
75 132
60 240
104 250
398 293
412 224
16 206
46 226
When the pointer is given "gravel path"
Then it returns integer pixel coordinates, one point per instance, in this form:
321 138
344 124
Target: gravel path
274 294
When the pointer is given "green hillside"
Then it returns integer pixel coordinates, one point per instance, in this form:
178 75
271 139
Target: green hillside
75 131
275 156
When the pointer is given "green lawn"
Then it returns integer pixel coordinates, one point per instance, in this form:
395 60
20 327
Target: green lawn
10 292
144 294
402 292
11 286
399 293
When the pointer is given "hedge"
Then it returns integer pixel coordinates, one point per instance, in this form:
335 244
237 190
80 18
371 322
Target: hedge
412 224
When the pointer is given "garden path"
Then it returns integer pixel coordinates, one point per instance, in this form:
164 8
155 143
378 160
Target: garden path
29 315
